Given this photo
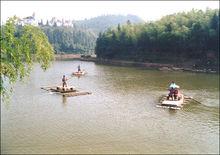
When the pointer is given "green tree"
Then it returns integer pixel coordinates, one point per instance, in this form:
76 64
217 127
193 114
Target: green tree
176 38
70 39
119 27
20 47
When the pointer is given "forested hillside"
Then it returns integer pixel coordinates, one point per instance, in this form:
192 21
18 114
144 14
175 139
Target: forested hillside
70 39
177 38
81 36
102 23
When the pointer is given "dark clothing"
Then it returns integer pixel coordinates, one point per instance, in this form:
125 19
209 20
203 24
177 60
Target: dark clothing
64 84
64 81
172 91
171 94
79 69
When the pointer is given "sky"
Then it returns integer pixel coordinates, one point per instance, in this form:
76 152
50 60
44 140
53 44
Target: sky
79 10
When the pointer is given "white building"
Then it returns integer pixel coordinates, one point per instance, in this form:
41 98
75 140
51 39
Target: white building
30 20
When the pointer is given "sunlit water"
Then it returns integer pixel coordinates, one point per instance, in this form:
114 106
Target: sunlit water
120 116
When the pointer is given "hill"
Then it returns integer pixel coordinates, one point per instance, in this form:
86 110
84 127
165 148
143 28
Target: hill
182 38
80 36
102 23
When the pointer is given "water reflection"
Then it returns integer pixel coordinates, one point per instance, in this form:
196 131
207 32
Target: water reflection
64 100
173 111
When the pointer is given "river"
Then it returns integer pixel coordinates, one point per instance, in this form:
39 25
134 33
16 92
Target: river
120 116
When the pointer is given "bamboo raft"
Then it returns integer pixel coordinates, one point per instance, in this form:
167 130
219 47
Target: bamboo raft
171 104
79 73
65 91
176 104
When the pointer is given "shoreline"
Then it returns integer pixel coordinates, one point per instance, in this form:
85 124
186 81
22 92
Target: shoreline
124 63
67 56
157 66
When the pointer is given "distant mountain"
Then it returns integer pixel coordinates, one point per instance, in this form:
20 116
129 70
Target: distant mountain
80 36
102 23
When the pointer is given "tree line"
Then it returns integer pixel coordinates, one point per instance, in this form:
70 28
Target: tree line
178 38
80 36
70 39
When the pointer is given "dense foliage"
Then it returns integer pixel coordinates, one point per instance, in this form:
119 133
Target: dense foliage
20 47
81 36
70 39
177 38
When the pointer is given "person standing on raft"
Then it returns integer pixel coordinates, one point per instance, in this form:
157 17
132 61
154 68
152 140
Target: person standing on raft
79 70
64 79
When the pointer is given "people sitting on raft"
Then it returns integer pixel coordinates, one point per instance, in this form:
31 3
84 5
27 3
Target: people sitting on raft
173 94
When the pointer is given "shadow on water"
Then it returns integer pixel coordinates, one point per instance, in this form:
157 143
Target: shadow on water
64 100
173 111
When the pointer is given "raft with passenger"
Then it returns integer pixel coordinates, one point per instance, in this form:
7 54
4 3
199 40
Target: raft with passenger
173 102
65 91
79 73
174 99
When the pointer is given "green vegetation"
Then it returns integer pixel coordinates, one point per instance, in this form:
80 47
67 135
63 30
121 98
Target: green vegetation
180 38
81 36
70 39
20 47
102 23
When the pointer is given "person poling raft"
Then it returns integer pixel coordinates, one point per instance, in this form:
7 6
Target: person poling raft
79 72
61 88
65 90
64 79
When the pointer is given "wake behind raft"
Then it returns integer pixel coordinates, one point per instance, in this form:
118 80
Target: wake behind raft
65 91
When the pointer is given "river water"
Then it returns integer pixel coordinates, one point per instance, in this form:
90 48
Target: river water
120 116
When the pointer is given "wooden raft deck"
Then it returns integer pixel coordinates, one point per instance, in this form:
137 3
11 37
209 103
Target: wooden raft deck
75 94
67 91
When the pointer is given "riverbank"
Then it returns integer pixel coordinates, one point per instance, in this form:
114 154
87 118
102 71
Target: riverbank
67 56
146 65
75 57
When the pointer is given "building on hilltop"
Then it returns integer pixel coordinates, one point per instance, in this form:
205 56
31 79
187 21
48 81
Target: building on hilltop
30 20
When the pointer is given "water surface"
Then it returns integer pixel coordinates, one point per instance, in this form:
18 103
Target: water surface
120 116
